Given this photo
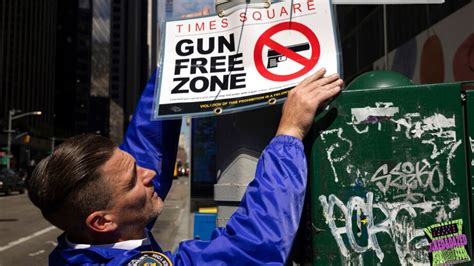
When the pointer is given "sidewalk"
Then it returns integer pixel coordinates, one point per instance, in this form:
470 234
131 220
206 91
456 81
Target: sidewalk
176 222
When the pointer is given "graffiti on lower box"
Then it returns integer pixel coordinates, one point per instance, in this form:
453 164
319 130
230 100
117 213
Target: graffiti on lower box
394 196
398 223
435 132
407 177
339 148
447 243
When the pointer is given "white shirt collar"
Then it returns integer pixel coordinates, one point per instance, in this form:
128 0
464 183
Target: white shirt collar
127 245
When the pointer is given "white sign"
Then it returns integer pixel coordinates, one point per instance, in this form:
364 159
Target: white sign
250 58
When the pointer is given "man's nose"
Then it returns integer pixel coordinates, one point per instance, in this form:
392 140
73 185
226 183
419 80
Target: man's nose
146 175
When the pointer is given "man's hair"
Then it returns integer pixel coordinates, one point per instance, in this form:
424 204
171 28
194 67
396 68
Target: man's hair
67 186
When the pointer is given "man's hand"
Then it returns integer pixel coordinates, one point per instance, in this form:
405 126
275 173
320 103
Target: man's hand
304 100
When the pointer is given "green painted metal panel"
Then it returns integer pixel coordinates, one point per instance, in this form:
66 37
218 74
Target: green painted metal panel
387 163
470 146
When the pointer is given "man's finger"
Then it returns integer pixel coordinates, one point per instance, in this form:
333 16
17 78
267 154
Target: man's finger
317 84
320 73
337 83
324 81
316 92
329 83
327 94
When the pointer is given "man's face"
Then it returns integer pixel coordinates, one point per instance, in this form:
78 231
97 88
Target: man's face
134 201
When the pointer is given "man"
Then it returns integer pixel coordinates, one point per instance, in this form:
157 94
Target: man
104 198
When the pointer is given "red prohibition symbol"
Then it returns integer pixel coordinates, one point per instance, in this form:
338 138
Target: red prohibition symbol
307 63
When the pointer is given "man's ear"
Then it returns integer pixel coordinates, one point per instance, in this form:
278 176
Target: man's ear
101 221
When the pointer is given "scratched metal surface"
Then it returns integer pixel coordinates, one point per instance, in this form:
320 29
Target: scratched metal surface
386 164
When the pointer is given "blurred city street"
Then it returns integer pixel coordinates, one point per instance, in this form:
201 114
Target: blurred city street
27 238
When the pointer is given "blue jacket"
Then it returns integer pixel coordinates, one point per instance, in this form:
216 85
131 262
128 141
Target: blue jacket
153 144
262 229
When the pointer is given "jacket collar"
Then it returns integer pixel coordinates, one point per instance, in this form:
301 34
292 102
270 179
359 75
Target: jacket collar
95 254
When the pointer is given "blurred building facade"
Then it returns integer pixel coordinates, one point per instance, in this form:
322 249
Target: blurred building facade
27 74
107 42
82 63
73 67
361 31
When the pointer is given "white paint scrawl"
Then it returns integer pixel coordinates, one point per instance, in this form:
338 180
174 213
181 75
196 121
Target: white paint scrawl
371 115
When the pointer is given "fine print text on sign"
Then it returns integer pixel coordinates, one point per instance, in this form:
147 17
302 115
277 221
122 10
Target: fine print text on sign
248 59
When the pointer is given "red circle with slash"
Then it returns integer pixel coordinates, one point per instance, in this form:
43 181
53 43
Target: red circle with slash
265 40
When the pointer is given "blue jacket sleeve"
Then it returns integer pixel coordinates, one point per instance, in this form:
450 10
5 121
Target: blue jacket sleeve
153 144
263 228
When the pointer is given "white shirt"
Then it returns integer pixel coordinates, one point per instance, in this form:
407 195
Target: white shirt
127 245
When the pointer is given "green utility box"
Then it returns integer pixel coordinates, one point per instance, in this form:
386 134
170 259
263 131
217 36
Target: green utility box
469 112
389 179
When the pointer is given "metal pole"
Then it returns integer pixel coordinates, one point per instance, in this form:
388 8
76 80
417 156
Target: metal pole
9 140
11 117
29 157
53 140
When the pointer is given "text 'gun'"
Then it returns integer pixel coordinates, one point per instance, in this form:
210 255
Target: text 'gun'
275 57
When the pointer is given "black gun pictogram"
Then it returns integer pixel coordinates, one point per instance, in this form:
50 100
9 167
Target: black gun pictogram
275 57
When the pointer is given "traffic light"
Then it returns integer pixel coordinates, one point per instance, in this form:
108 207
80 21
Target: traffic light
26 139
